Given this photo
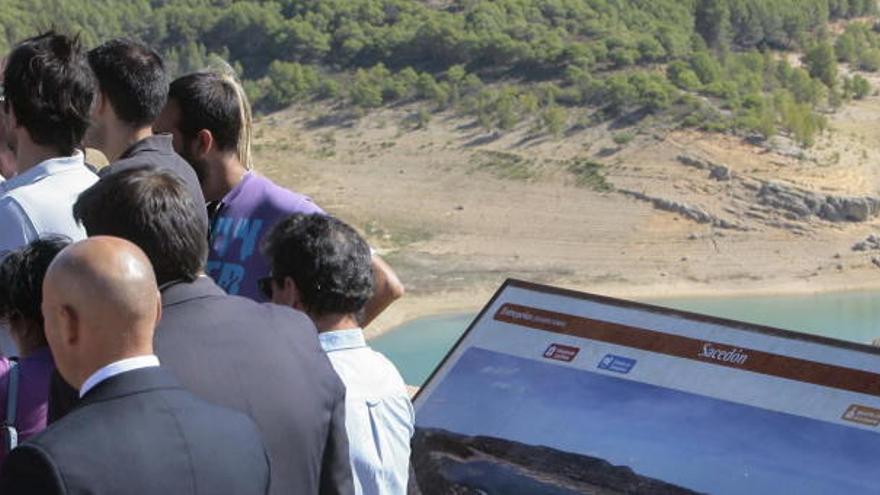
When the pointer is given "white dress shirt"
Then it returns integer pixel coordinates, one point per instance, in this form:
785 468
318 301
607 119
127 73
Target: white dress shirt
117 368
379 417
39 201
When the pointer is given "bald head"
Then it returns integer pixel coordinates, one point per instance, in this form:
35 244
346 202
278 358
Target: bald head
100 305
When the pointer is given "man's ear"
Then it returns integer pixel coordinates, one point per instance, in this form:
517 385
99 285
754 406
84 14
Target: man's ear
203 144
9 119
69 324
158 309
287 293
295 294
100 105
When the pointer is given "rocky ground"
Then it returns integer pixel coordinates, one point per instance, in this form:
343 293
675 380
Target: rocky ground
626 211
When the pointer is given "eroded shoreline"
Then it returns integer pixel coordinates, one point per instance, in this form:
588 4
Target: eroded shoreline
414 307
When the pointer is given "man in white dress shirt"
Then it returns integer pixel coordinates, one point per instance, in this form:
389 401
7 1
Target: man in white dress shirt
48 89
322 267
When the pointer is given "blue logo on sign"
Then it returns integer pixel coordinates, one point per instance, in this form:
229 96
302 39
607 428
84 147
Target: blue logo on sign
617 364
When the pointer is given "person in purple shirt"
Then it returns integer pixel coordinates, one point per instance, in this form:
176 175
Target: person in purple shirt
209 118
21 281
240 219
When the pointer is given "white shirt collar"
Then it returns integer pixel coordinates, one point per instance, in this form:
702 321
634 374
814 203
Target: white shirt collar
117 368
46 168
337 340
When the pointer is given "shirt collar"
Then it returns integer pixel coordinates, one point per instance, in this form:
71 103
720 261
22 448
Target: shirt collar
44 169
157 142
235 191
337 340
117 368
178 291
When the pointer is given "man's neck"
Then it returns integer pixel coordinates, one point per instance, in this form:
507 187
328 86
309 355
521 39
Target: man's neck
330 323
165 284
107 360
29 155
121 138
223 176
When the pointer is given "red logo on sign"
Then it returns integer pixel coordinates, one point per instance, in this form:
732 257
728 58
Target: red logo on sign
561 352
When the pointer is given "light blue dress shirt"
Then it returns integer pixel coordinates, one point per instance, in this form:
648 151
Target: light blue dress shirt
379 417
39 201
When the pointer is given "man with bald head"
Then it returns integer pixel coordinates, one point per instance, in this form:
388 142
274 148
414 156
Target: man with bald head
101 306
260 359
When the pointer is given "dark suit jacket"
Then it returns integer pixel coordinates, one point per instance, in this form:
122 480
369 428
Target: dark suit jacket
263 360
157 151
141 433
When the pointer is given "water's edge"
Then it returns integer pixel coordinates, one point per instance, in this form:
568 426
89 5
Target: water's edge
416 347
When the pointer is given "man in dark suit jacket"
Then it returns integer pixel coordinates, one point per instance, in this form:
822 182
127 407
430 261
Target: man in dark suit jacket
261 359
135 431
133 86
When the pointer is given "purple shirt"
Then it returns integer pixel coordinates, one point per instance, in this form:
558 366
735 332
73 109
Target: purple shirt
34 373
245 215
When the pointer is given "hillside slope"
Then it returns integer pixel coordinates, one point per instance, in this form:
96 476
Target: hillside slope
457 209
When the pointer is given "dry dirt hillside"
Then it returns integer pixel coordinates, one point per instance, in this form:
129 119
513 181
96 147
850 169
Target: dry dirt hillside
631 211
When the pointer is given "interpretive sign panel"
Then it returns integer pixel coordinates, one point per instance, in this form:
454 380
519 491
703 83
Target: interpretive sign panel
557 392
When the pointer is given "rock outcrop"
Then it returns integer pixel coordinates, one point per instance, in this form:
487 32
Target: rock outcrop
798 204
717 171
748 200
691 212
871 243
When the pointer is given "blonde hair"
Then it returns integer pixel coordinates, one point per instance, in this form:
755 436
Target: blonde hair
245 137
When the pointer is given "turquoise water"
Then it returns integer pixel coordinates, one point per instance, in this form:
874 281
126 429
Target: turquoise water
418 346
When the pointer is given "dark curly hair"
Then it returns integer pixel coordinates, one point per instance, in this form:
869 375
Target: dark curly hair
329 262
50 87
21 279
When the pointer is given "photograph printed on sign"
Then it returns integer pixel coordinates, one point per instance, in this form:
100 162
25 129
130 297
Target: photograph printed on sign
568 419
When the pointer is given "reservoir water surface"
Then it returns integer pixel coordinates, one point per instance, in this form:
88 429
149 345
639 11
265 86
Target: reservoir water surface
418 346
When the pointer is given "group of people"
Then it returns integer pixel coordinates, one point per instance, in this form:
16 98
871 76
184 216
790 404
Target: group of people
182 324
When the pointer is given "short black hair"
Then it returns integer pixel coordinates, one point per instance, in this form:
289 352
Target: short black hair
51 88
133 77
153 209
208 100
329 262
21 278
